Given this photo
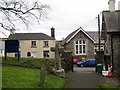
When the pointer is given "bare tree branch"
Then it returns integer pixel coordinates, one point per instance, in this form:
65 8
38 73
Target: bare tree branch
21 11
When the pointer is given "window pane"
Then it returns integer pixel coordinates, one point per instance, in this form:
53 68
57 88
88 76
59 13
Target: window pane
46 54
83 42
80 47
83 48
76 51
76 47
33 44
80 42
95 50
80 50
45 43
76 42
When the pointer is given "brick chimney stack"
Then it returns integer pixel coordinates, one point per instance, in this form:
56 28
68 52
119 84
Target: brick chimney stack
53 32
111 4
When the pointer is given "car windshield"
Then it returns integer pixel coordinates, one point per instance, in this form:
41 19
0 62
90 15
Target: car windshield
90 60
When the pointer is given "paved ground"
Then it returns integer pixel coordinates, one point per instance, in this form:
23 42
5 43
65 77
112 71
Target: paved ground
84 77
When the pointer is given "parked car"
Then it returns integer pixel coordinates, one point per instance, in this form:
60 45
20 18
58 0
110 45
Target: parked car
75 60
88 62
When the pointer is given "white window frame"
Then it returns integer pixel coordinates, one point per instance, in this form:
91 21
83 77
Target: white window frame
82 47
48 54
45 44
97 48
33 44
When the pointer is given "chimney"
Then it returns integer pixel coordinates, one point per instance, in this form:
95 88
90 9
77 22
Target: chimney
53 32
119 5
111 4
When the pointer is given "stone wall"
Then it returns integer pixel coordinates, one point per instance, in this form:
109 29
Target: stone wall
116 53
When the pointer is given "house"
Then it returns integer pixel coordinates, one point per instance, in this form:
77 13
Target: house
82 44
111 35
34 44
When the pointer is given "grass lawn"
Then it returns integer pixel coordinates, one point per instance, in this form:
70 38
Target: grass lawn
19 77
110 86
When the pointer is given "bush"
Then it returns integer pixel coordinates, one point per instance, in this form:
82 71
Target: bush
27 62
36 62
66 64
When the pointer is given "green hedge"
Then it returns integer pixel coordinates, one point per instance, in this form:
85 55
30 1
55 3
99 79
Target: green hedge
66 64
27 62
35 62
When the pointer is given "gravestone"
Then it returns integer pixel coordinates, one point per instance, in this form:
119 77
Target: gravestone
48 67
42 76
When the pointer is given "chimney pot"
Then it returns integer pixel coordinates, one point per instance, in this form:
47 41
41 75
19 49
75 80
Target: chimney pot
111 4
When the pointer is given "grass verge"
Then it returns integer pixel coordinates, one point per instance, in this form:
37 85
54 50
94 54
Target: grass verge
110 86
19 77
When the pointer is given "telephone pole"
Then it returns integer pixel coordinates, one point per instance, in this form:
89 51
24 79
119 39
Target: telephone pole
99 30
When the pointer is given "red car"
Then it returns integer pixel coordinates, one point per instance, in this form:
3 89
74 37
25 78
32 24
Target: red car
75 60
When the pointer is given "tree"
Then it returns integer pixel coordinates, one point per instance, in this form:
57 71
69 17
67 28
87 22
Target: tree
13 11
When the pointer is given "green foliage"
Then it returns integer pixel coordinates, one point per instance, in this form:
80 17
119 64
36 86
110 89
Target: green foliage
35 62
110 86
27 62
20 77
66 64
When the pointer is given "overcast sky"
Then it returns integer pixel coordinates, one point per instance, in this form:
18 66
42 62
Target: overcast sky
68 15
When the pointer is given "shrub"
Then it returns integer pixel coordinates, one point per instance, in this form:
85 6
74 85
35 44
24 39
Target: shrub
66 64
36 62
27 62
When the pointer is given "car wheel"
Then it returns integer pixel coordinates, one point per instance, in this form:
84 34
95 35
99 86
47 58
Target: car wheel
82 65
78 65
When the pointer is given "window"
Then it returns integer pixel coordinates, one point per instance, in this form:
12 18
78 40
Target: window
80 47
45 44
96 48
33 54
16 54
46 54
1 50
28 54
33 43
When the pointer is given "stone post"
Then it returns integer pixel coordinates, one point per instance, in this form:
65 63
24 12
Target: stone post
42 76
48 67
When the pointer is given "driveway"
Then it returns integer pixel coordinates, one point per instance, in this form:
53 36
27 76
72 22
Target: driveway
84 77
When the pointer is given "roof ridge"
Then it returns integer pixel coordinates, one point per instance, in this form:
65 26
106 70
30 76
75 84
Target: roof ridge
91 31
30 36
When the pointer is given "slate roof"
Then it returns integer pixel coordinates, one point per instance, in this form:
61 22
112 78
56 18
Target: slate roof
92 34
29 36
112 21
